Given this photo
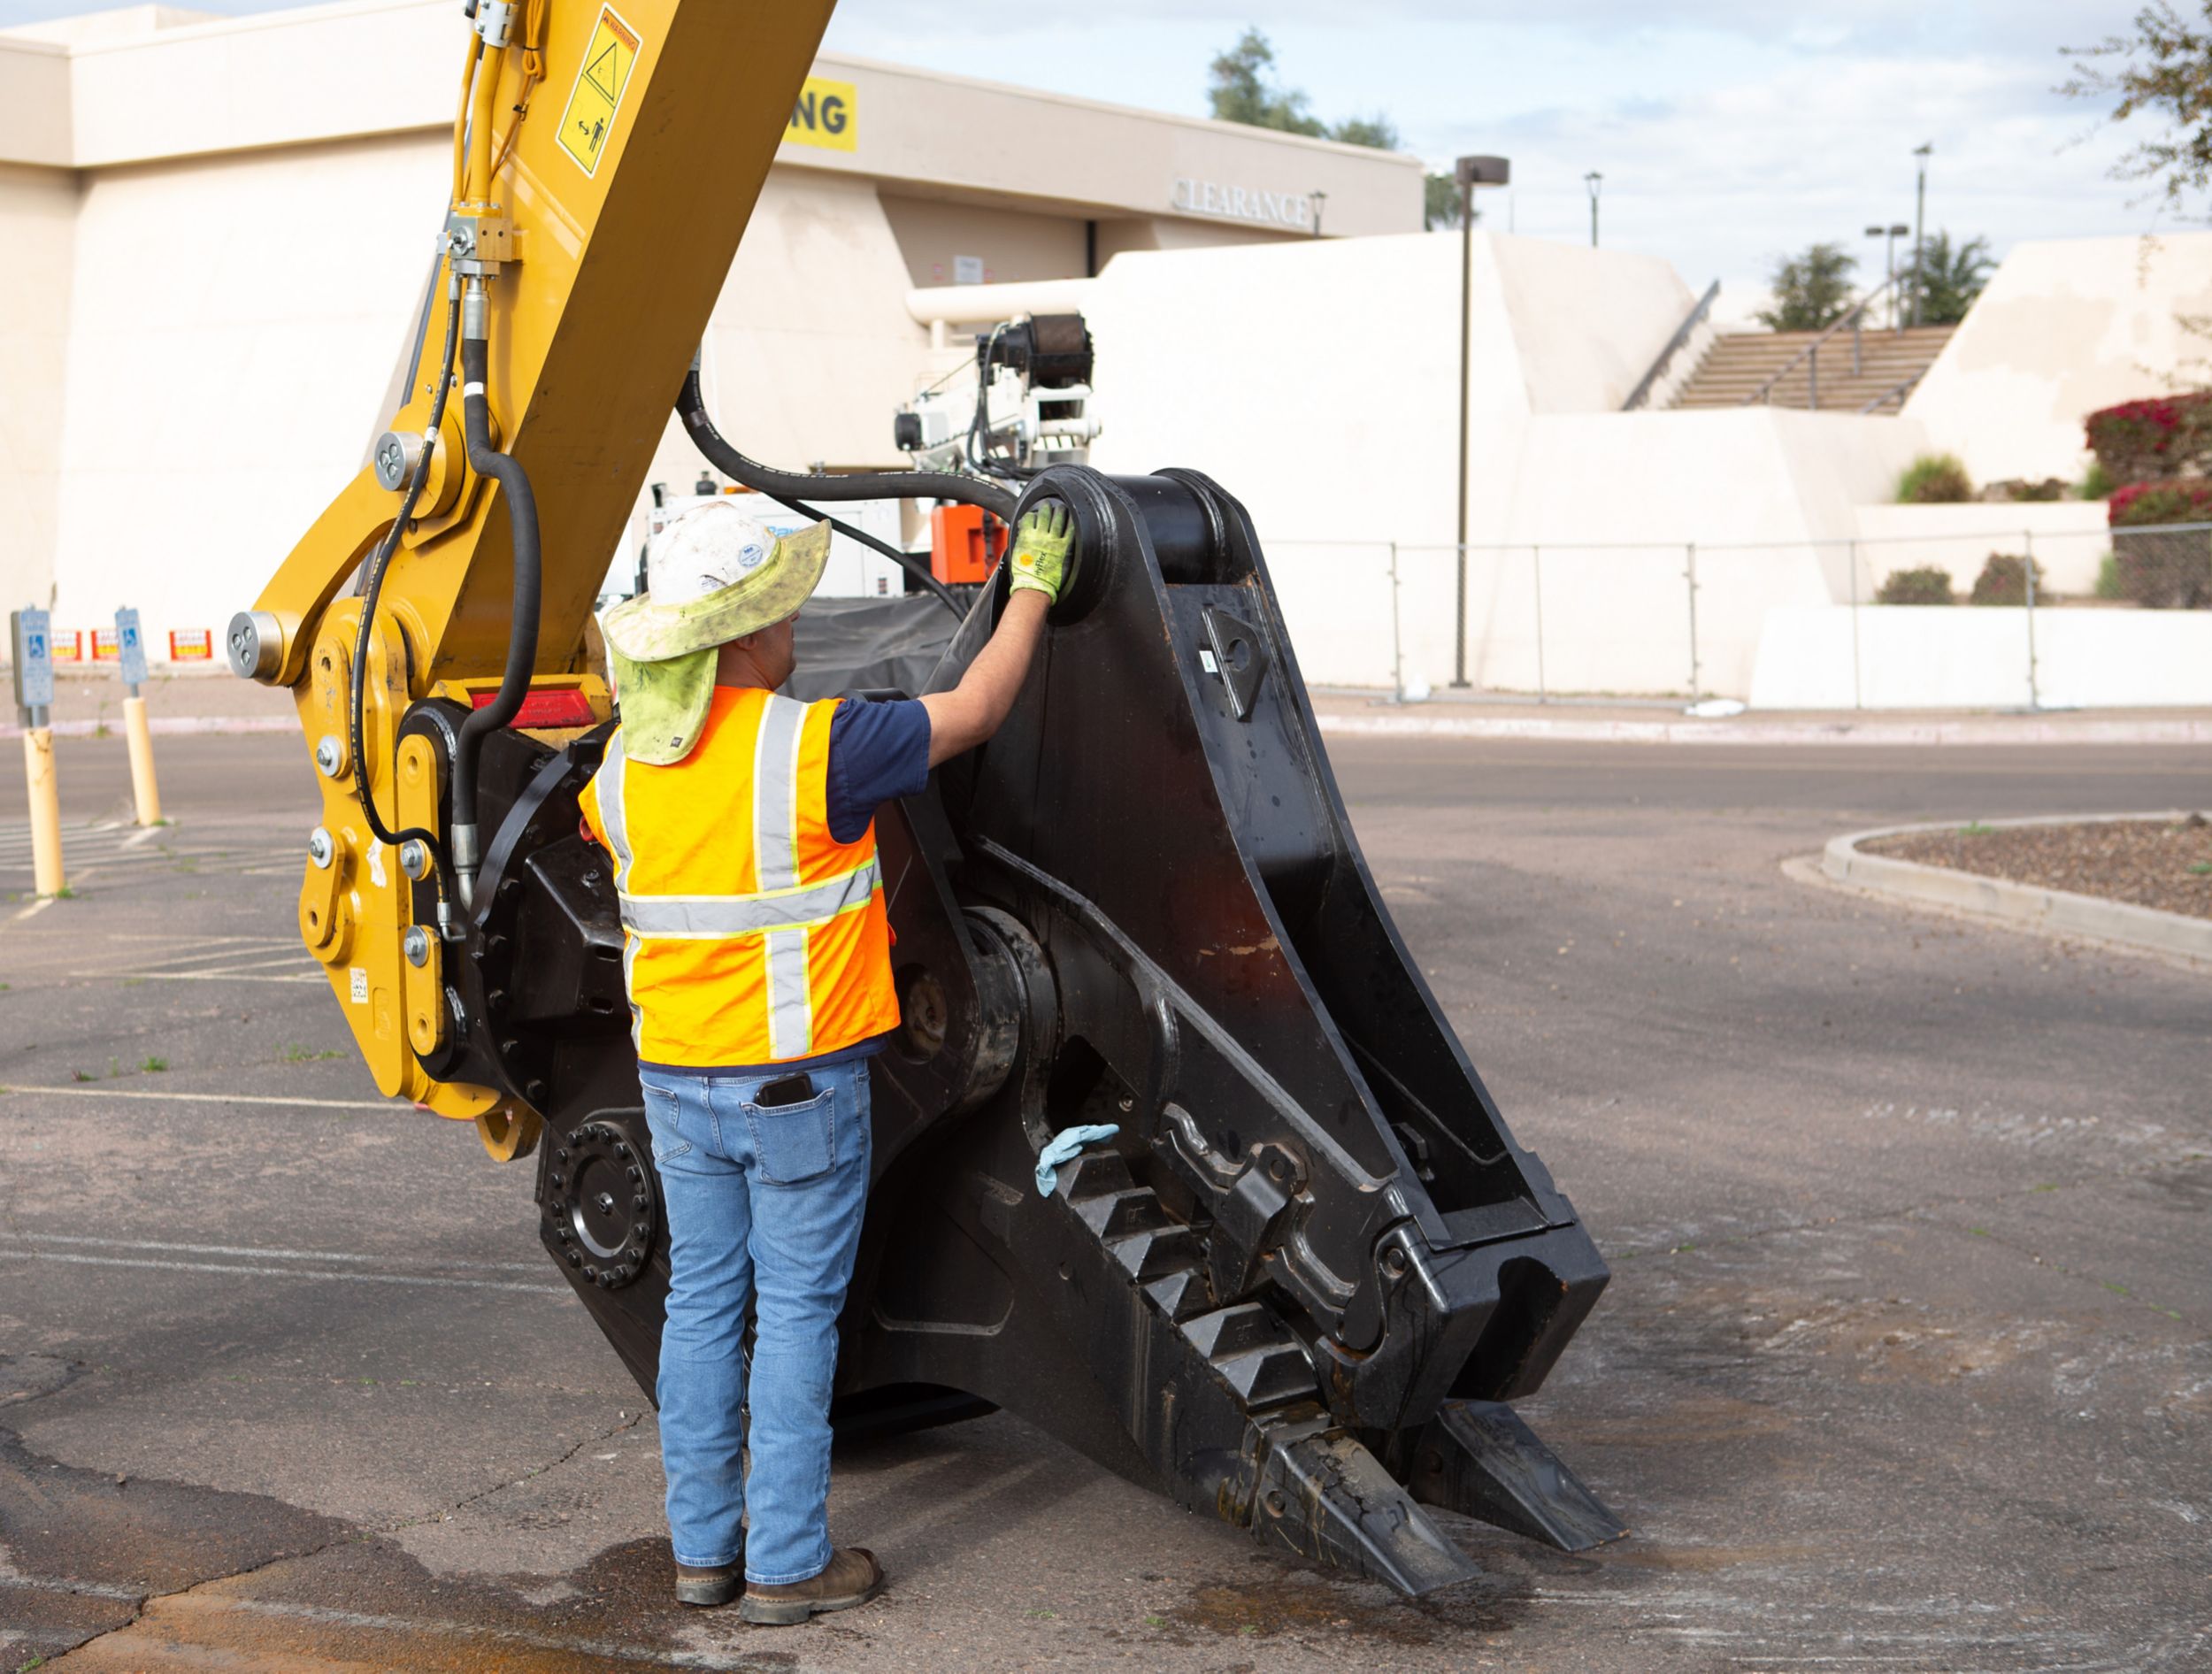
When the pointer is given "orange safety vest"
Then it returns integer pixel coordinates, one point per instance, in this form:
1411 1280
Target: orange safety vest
750 935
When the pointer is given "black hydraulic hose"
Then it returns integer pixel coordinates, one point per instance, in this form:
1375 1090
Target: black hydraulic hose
906 561
716 449
379 563
866 485
522 639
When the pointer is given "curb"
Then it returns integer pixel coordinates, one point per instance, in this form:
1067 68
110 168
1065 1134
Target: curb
1920 733
1783 732
170 723
2058 911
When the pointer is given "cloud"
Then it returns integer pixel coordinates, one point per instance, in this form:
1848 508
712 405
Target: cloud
1728 131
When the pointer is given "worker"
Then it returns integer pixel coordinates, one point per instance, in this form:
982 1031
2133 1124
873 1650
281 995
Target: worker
758 955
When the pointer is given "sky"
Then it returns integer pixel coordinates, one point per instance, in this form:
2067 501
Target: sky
1729 132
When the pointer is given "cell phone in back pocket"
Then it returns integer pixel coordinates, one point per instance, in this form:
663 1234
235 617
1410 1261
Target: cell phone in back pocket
792 1089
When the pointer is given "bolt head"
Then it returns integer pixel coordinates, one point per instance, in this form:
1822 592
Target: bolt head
320 849
414 857
1394 1262
417 943
330 755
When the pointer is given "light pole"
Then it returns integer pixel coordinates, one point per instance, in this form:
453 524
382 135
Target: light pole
1593 179
1919 228
1889 251
1470 172
1320 200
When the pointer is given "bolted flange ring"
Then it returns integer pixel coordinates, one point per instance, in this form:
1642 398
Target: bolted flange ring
601 1207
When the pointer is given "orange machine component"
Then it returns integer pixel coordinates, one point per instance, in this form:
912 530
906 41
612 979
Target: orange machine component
964 541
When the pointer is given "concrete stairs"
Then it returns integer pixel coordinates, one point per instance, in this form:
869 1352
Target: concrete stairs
1739 362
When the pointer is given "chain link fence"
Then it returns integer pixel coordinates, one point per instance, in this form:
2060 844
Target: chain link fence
1980 618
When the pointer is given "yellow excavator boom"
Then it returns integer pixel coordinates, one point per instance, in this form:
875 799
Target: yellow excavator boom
606 161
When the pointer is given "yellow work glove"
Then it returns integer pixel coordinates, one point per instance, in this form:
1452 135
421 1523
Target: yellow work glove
1043 542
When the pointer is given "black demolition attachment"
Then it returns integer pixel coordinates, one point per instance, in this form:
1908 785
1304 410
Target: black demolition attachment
1298 1290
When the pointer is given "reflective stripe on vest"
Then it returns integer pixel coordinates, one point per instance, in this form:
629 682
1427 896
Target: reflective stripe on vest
608 788
776 858
712 918
781 911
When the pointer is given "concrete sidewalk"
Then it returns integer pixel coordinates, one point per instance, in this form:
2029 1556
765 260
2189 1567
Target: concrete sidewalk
214 701
1454 714
199 700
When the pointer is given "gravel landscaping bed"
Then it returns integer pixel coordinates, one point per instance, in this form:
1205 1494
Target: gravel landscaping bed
2149 862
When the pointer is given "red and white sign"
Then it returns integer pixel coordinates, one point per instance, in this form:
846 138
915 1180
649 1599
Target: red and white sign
105 647
68 645
191 645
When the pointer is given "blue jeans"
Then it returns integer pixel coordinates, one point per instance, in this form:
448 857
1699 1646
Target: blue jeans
763 1211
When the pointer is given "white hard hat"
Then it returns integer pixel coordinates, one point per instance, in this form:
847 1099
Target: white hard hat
705 548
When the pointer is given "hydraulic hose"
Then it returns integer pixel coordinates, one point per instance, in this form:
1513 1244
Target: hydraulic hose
906 561
866 485
371 591
522 639
785 487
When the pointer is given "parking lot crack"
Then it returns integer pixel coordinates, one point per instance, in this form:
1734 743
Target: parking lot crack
630 1421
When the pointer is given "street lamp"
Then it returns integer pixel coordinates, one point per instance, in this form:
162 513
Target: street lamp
1470 171
1593 179
1320 200
1919 228
1892 234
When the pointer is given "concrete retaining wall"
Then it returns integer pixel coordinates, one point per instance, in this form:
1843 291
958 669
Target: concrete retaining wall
1936 656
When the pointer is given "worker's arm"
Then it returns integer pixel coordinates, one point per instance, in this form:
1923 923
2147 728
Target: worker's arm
972 711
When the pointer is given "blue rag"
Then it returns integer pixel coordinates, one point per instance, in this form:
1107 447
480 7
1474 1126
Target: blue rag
1065 1147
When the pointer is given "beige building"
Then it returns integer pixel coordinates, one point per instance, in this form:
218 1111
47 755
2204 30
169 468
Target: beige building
218 230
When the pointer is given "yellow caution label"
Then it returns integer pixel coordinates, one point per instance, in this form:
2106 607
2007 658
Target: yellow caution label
826 115
601 81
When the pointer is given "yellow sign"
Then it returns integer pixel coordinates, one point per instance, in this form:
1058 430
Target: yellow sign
826 115
597 95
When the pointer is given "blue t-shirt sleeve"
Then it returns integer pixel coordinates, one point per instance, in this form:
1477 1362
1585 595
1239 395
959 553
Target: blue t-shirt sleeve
876 751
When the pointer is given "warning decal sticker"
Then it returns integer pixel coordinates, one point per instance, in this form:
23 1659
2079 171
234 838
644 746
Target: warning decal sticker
600 83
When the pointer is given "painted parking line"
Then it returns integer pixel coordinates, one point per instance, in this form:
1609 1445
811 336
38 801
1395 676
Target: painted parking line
240 973
320 1276
254 1251
392 1105
83 1589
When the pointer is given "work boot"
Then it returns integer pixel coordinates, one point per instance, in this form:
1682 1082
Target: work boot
853 1577
709 1587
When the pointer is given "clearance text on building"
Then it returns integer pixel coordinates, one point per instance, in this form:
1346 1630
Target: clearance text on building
1242 203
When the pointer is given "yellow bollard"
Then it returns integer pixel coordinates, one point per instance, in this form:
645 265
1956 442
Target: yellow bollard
30 641
143 789
38 761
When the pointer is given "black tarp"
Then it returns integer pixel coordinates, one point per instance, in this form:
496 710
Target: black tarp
870 645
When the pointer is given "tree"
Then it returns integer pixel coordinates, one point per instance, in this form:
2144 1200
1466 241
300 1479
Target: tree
1439 202
1242 89
1810 290
2163 69
1948 281
1376 131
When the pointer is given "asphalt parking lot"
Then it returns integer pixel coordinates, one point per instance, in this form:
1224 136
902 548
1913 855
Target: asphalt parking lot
1904 1364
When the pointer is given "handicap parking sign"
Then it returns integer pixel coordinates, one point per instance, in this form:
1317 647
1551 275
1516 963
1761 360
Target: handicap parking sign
31 634
131 644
